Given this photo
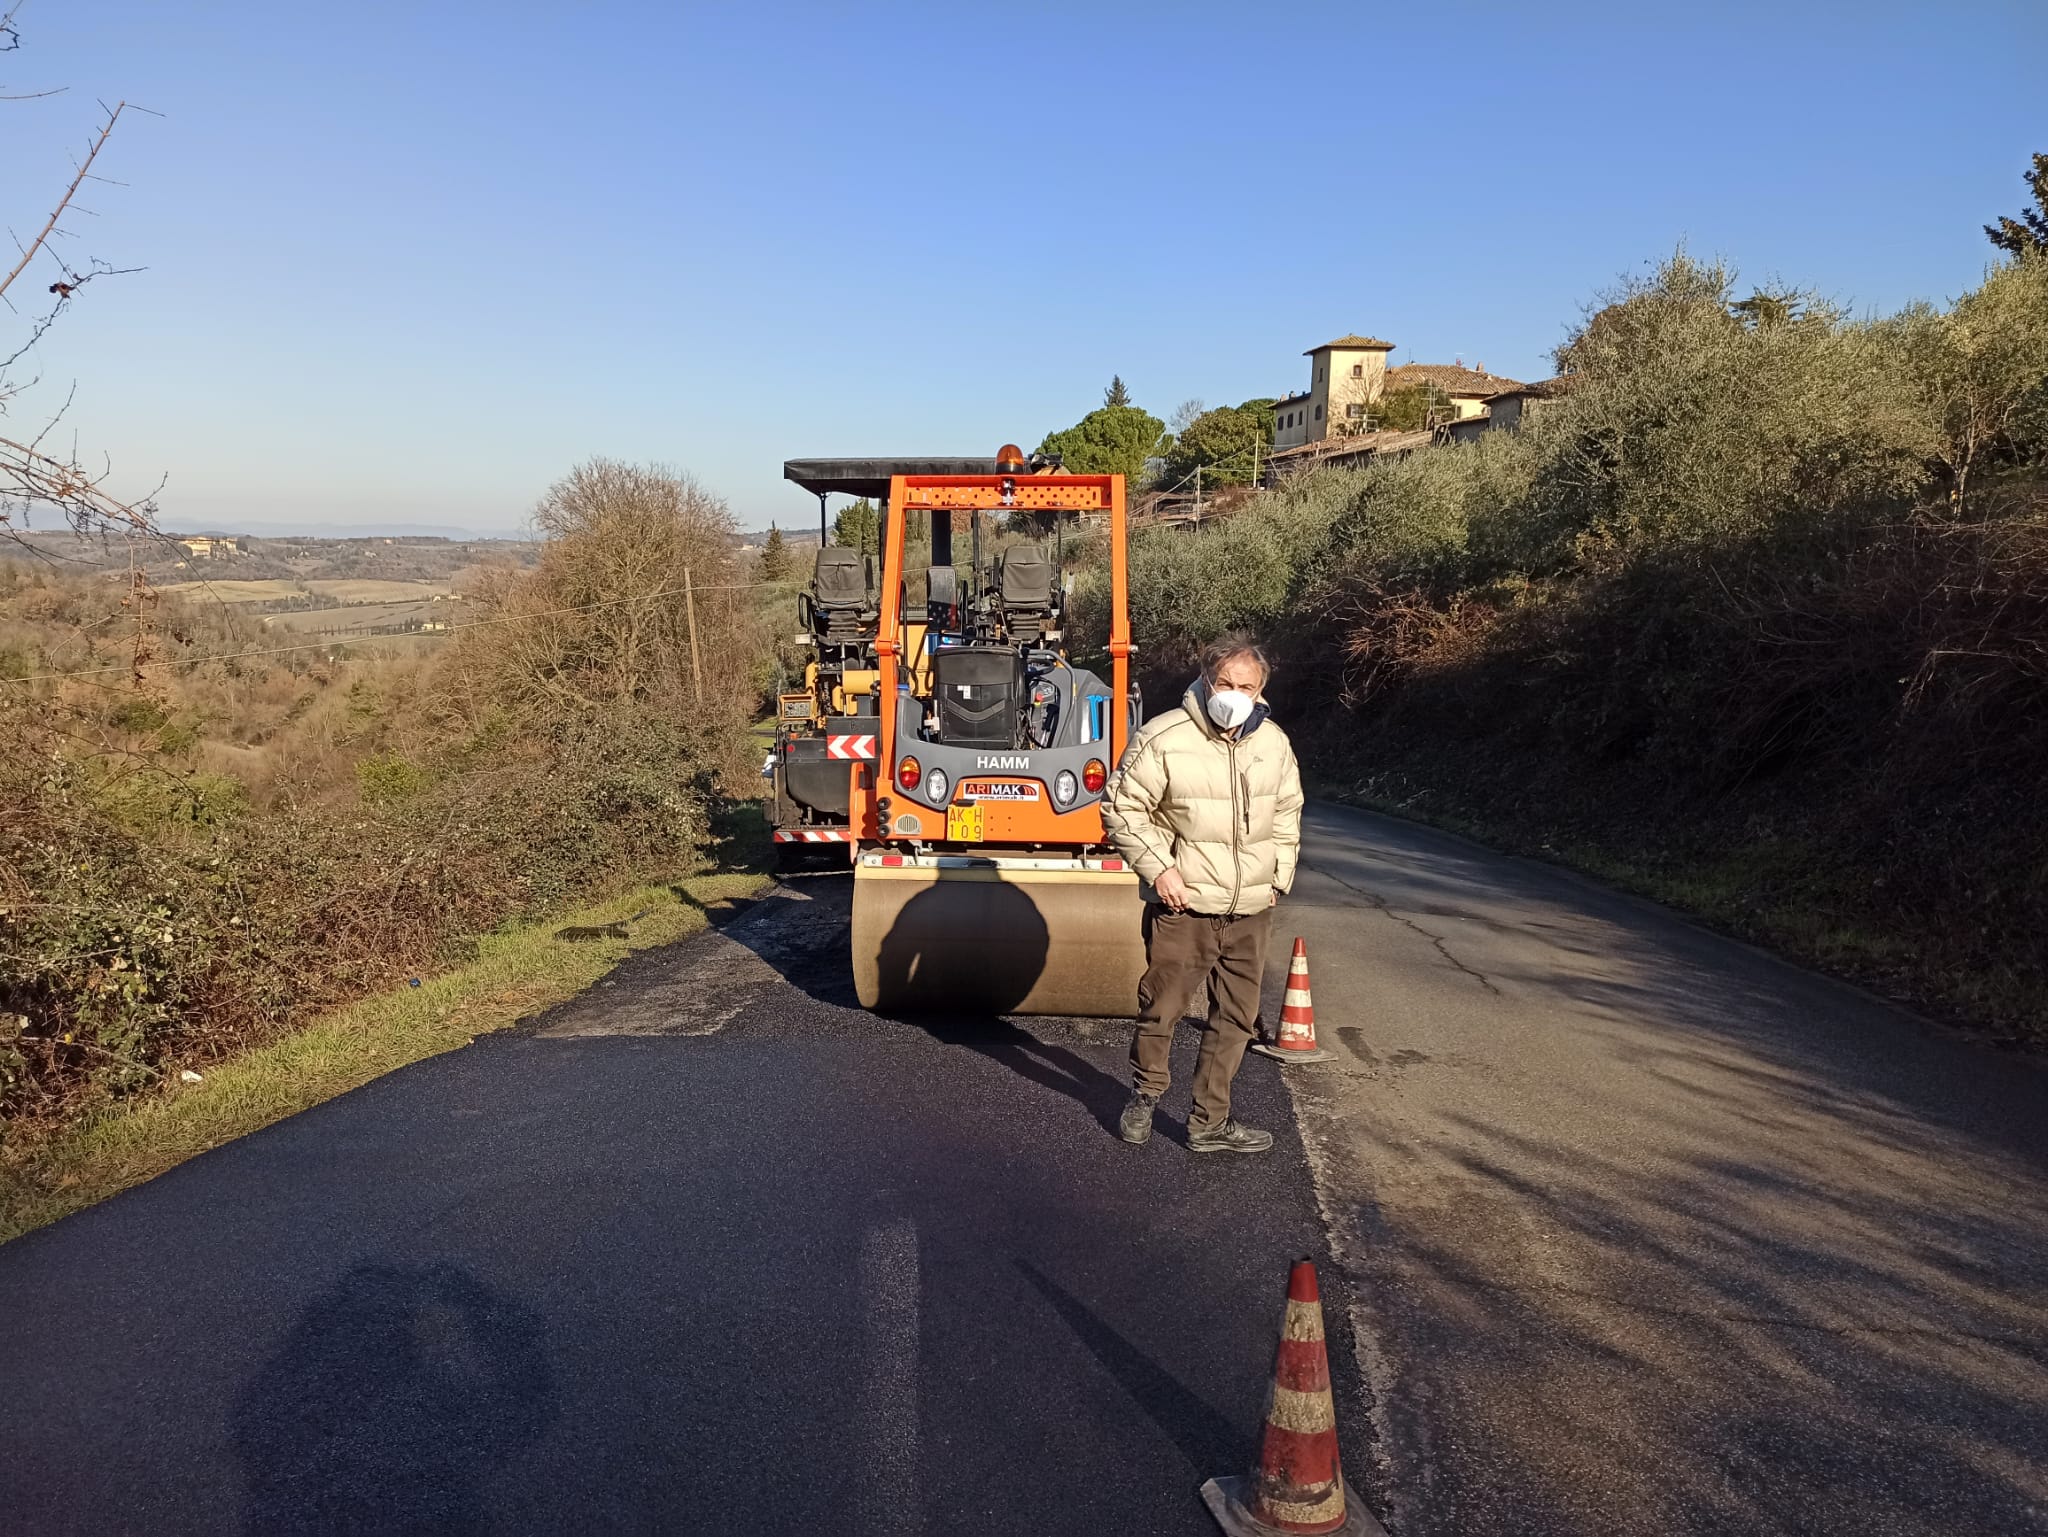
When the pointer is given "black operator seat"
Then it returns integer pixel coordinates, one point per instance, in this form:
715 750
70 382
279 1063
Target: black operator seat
1024 586
839 596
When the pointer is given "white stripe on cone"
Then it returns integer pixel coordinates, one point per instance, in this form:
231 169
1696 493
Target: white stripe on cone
1297 1009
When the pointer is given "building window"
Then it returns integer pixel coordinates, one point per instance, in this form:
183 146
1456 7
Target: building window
1358 370
1355 413
1319 413
1319 373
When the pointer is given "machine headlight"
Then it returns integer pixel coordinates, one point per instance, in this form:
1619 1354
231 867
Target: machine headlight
1063 787
936 785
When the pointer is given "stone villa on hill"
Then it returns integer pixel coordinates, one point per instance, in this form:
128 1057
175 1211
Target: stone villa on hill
1333 421
1348 376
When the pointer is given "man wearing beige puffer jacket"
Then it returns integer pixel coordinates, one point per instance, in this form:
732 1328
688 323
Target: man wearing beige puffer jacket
1206 806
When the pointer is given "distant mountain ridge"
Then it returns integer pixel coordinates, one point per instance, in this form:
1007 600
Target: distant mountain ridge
798 535
371 530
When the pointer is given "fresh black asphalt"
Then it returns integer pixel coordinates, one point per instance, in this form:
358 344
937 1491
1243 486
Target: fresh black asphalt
1627 1229
709 1249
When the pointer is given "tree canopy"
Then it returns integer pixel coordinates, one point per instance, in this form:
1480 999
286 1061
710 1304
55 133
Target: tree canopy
1407 410
1112 440
857 526
1223 443
2029 232
1116 394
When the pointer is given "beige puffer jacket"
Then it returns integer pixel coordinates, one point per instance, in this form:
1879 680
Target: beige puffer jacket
1226 814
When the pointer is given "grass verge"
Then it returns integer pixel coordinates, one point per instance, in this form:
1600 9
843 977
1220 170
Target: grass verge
514 974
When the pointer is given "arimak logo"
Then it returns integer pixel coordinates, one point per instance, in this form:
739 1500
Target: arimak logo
997 762
996 790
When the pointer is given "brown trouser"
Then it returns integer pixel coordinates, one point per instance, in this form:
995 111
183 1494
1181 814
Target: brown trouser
1182 951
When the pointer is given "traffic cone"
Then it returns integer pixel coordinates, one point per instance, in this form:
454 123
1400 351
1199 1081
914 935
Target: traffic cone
1297 1041
1298 1486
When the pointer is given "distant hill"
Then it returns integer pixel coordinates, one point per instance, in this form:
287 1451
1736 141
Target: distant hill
293 558
371 530
792 536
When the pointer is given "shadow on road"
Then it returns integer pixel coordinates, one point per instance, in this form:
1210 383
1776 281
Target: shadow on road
1053 1067
1205 1437
394 1398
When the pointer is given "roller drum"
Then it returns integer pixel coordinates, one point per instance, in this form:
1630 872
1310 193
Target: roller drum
981 940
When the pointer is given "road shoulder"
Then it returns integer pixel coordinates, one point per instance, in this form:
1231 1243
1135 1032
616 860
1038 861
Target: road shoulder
514 974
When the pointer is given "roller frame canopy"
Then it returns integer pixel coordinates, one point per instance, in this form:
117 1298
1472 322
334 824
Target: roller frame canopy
870 477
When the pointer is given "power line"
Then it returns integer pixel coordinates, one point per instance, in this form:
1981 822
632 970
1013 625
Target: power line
322 645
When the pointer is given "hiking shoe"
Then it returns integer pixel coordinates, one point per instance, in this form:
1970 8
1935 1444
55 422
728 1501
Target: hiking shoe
1231 1137
1136 1124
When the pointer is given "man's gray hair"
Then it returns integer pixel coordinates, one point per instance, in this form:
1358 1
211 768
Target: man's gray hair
1231 647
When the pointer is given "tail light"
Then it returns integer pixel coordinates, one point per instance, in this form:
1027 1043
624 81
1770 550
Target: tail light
1093 775
908 773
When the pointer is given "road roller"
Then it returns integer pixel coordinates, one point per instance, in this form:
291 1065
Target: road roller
829 724
983 880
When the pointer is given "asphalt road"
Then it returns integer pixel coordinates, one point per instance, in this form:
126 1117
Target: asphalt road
1647 1232
709 1249
1625 1228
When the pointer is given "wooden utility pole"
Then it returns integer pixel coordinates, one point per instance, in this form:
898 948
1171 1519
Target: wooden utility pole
141 600
690 609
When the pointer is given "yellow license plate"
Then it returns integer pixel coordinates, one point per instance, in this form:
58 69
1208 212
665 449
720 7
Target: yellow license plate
963 824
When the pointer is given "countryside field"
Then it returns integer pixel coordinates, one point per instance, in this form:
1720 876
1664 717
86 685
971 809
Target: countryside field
320 592
354 617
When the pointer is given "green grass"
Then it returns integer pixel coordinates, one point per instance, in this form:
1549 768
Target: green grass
515 974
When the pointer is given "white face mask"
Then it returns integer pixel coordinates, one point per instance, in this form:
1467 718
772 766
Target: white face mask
1230 707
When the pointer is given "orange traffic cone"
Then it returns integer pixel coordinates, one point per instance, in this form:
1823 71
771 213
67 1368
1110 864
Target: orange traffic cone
1298 1486
1297 1041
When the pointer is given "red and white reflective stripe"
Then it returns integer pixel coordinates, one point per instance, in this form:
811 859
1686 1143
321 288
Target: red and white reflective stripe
850 747
811 835
1297 1009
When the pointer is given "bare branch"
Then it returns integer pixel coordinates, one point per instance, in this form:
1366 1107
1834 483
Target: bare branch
28 254
27 475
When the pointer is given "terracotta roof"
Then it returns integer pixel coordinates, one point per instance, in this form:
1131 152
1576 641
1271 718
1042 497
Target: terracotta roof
1288 400
1451 379
1352 344
1552 389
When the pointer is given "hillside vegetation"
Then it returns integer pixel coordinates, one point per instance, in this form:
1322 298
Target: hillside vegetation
195 863
1755 619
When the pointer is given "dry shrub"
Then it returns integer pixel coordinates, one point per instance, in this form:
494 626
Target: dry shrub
194 867
1764 575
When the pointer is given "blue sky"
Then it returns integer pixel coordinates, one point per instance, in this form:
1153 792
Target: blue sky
409 262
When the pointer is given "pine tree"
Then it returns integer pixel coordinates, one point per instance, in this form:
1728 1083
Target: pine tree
775 557
1116 394
2029 232
857 525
